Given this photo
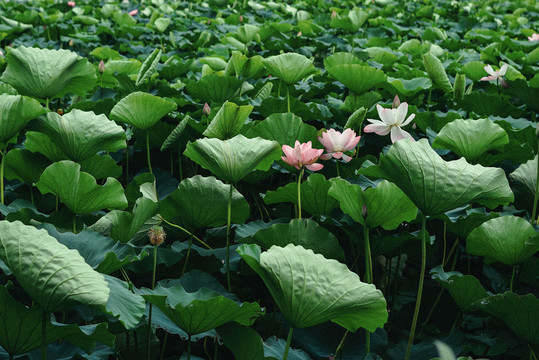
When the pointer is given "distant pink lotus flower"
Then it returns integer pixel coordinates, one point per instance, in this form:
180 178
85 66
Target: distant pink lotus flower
101 67
133 12
496 75
391 122
336 143
302 155
534 37
71 3
299 33
1 53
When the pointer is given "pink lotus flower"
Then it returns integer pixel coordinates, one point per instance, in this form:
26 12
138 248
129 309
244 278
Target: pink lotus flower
336 143
534 37
302 155
392 121
496 75
101 67
71 3
133 12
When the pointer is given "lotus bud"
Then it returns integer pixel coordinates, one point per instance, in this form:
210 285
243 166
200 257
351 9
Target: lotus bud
60 112
157 235
206 109
364 211
71 42
241 18
333 15
299 33
396 102
1 53
101 67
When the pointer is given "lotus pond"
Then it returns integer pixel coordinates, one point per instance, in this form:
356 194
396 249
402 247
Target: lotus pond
253 180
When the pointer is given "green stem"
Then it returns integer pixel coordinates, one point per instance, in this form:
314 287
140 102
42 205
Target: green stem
163 347
534 212
74 223
2 174
189 347
187 256
228 220
337 165
47 103
368 278
299 191
188 232
150 309
532 353
513 278
288 341
44 335
288 99
148 150
432 308
445 245
428 100
420 288
126 167
338 352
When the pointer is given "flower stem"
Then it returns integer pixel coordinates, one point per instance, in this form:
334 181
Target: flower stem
229 215
299 191
337 165
188 232
148 150
420 288
44 335
513 278
368 278
338 352
2 174
288 341
187 256
288 98
150 309
534 211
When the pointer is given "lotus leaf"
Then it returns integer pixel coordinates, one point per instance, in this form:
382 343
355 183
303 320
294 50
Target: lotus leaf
435 185
48 74
53 275
200 311
289 67
215 88
507 239
436 72
15 112
471 138
203 201
464 289
81 134
24 165
386 205
148 67
78 190
340 58
142 110
228 121
127 306
232 159
285 128
310 289
358 78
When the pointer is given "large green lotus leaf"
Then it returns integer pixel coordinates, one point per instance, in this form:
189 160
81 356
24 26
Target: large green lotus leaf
436 72
304 232
40 143
310 289
24 331
358 78
519 313
101 252
127 306
203 201
289 67
81 134
435 185
340 58
285 128
464 289
314 195
245 343
507 239
462 221
79 190
232 159
352 22
125 225
215 88
471 138
228 121
409 88
48 74
523 181
386 205
15 112
142 110
101 166
53 275
202 310
24 165
474 70
381 55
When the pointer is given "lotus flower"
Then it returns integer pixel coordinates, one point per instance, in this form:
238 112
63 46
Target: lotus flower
534 37
336 144
133 12
496 75
391 122
71 3
101 67
302 155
